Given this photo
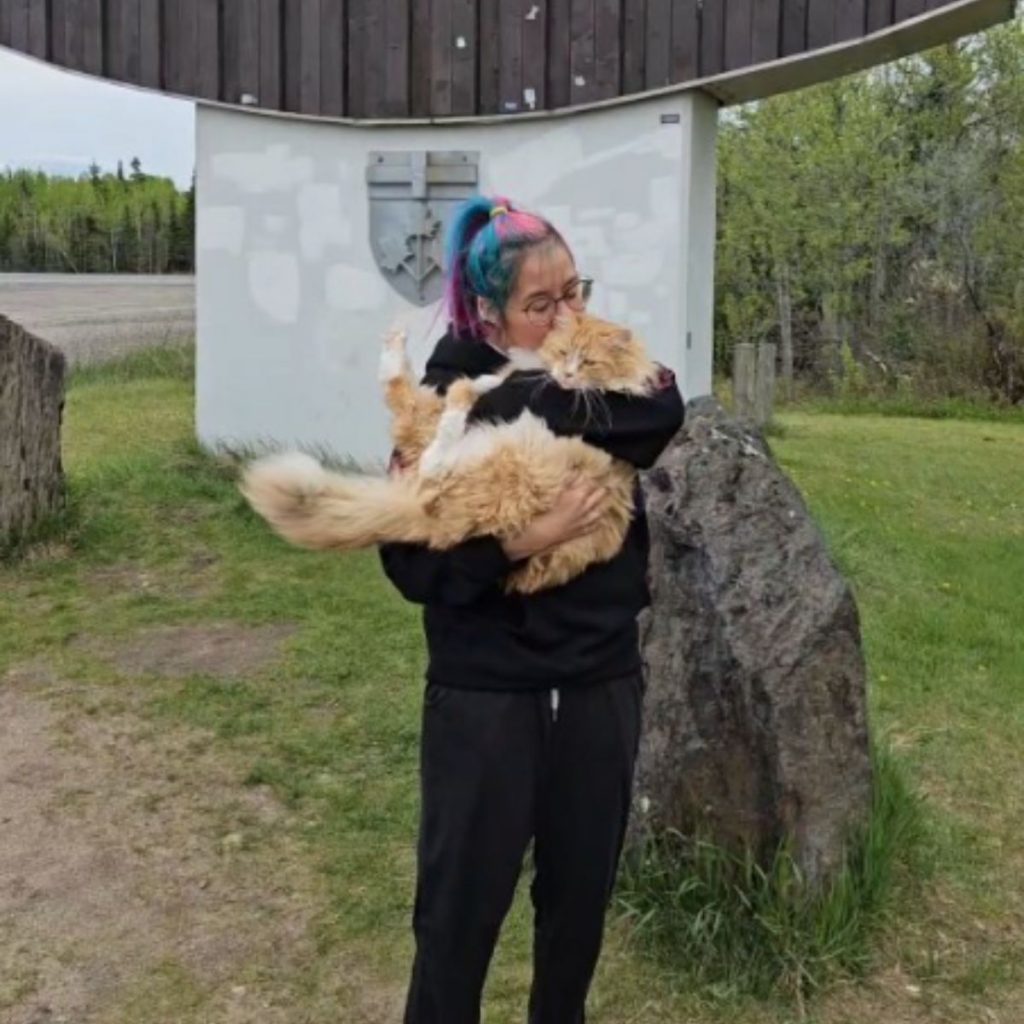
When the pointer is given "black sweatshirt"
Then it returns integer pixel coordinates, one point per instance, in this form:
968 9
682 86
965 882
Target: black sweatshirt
584 631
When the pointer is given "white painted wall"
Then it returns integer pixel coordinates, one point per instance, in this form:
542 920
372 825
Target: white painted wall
291 307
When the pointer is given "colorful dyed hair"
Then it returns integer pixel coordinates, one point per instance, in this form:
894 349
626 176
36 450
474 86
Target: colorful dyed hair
486 242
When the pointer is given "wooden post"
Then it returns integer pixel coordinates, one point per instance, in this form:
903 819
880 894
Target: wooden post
765 392
785 300
32 393
744 380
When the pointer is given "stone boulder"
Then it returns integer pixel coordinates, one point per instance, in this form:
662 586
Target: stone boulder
31 406
755 718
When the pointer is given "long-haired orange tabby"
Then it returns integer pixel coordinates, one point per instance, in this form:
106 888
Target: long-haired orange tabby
487 479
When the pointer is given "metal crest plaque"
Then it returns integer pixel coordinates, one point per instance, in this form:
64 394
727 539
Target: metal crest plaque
412 197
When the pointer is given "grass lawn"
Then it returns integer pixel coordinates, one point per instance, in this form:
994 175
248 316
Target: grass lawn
925 516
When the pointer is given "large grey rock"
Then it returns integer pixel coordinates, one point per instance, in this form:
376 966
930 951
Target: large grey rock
755 721
31 405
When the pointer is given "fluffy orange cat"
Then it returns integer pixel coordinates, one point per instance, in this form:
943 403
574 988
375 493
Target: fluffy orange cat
492 478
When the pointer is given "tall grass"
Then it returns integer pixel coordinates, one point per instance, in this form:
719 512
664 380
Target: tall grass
735 926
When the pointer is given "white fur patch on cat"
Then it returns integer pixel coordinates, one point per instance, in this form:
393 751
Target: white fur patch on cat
488 382
526 359
441 453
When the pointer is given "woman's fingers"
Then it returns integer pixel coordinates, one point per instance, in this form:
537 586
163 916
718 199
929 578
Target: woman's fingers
592 508
595 499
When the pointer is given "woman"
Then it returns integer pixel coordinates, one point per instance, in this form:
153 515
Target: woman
532 709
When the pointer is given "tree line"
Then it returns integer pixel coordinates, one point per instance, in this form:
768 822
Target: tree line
99 222
873 227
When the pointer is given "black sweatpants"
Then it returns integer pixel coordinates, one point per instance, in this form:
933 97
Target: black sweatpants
496 769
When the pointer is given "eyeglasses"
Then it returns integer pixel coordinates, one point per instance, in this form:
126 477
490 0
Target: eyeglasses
541 311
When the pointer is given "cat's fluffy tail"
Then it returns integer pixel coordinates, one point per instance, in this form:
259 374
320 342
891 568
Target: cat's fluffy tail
316 508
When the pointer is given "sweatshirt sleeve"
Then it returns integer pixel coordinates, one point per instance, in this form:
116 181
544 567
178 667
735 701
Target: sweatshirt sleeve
455 577
634 428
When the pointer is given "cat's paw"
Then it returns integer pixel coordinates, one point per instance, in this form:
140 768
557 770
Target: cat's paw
393 363
437 460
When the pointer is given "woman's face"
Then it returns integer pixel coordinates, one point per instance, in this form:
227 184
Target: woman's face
546 275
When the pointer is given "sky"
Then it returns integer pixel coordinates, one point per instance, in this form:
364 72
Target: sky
61 122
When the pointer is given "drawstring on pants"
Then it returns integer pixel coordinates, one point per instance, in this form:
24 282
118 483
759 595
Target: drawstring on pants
554 704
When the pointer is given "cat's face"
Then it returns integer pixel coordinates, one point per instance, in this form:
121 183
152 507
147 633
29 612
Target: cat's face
584 352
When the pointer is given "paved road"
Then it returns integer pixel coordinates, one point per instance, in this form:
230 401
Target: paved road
97 316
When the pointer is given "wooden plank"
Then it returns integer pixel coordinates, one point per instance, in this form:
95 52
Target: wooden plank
634 45
880 14
302 57
581 52
658 44
510 56
332 58
396 58
92 36
535 55
230 56
767 38
130 15
58 38
851 19
291 68
908 9
188 40
374 27
38 29
489 57
794 27
208 50
608 47
420 62
465 54
357 57
259 32
72 33
113 40
18 21
559 52
149 44
441 58
712 37
172 46
739 33
309 57
685 62
820 23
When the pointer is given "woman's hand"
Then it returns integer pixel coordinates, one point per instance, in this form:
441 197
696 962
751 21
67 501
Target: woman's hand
576 512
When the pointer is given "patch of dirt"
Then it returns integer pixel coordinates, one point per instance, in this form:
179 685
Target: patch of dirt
196 580
141 881
226 649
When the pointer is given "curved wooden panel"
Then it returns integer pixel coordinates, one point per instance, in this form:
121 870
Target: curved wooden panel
398 59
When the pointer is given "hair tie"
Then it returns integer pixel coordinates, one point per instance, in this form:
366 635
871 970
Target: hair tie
496 210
